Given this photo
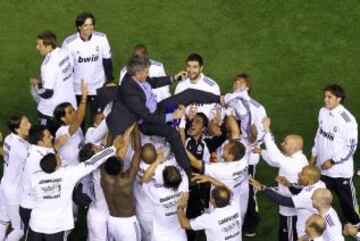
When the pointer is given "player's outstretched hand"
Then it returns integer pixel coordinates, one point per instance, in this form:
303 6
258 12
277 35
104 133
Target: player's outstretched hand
283 181
179 112
180 76
350 230
256 184
34 82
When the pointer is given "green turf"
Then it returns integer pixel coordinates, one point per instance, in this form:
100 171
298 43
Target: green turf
292 48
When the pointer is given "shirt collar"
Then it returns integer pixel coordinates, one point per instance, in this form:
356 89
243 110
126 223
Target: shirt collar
42 149
83 38
337 109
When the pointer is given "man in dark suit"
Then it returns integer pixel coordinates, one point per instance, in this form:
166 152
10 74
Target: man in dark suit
135 101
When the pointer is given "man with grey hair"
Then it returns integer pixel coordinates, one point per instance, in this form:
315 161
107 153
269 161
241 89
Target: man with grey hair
135 101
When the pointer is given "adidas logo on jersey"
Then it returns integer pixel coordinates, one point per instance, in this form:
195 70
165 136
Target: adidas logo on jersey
88 59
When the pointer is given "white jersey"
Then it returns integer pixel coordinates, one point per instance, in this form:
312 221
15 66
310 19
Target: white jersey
166 226
289 167
304 207
204 84
333 231
156 70
141 197
56 75
97 134
32 165
249 112
222 224
232 174
87 57
52 211
336 139
15 153
70 151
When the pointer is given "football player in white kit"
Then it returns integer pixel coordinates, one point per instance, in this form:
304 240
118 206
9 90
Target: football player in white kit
15 153
309 178
335 144
223 223
70 121
91 56
52 189
56 84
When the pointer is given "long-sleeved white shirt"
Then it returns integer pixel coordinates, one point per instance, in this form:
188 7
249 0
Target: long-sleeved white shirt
289 167
52 211
336 139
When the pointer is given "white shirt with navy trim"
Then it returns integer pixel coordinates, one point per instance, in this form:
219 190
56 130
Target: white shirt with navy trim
56 75
304 206
87 58
336 139
333 231
205 84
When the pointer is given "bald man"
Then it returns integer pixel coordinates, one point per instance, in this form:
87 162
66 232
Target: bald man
322 200
309 178
290 160
315 226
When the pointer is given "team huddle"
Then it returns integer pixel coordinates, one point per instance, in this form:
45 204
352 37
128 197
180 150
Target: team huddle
157 166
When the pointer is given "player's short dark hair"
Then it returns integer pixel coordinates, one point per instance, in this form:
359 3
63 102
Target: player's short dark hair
113 166
60 112
86 152
36 134
195 57
136 64
336 90
48 38
14 122
204 119
148 158
237 149
246 77
81 18
221 196
48 163
141 47
172 177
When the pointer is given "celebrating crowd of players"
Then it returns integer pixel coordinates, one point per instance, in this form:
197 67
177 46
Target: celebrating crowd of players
155 166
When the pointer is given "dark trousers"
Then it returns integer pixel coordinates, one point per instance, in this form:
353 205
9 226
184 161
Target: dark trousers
287 228
92 106
49 122
170 134
345 190
25 217
252 217
198 201
34 236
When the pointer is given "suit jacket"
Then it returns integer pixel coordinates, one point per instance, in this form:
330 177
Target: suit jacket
129 105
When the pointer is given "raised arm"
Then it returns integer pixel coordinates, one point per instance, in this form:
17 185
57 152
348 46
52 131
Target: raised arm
80 112
195 163
149 173
135 163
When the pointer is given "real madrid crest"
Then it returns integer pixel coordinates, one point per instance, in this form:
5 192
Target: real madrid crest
335 129
97 48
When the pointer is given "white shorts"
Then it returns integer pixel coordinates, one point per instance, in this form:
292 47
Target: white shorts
97 224
244 198
124 229
9 213
146 223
